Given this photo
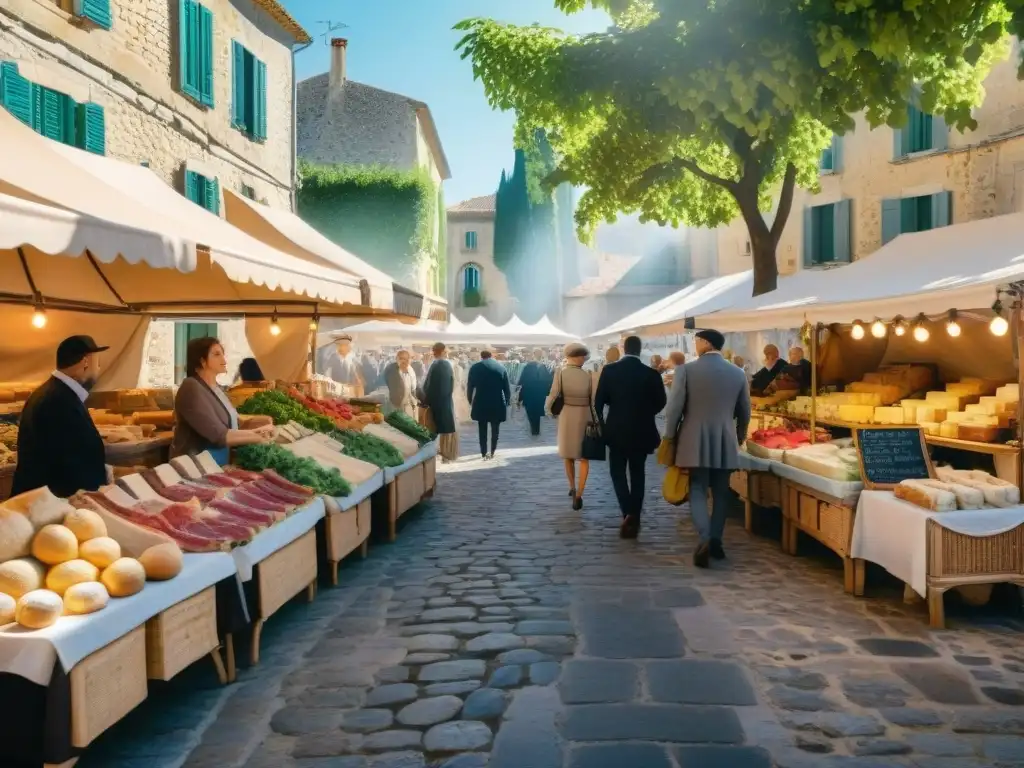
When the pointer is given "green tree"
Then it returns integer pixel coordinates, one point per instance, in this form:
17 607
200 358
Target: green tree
696 113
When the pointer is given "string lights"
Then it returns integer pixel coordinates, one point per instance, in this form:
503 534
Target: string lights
899 325
39 317
921 332
952 325
275 329
857 331
999 325
878 329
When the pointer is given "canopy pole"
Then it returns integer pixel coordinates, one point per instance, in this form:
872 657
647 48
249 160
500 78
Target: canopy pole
1017 324
103 277
814 383
38 297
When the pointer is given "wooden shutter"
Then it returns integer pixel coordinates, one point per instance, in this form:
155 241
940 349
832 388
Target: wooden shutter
92 128
261 100
842 232
191 60
837 154
942 204
205 71
237 85
212 195
183 17
96 11
891 217
809 249
940 133
51 120
15 92
909 220
192 187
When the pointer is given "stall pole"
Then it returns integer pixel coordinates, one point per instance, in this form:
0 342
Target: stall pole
311 360
1017 324
814 382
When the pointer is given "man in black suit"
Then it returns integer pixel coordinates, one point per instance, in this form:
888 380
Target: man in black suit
58 445
634 394
490 394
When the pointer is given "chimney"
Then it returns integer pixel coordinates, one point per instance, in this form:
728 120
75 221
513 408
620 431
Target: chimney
337 76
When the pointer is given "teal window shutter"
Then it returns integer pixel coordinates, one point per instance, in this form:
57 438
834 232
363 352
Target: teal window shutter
261 100
842 232
837 154
53 115
898 150
191 49
92 128
15 92
941 205
96 11
939 133
237 85
192 187
909 219
205 82
825 161
211 194
891 219
809 251
183 16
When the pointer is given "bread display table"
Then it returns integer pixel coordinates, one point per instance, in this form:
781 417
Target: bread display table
933 552
76 678
347 527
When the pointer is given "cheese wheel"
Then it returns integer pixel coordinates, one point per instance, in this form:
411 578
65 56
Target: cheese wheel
70 573
39 608
124 577
20 576
85 524
101 551
87 597
7 607
15 534
162 562
54 544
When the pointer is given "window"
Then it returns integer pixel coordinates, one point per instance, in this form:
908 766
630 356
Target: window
183 334
915 214
832 158
248 93
203 191
53 114
195 54
248 192
470 278
827 234
96 11
923 133
470 241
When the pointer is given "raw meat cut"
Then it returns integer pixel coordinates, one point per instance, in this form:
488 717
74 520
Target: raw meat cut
244 513
248 498
242 474
221 480
269 489
287 485
183 492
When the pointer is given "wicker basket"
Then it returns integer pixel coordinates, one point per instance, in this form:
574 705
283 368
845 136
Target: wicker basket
954 557
342 534
181 635
106 686
825 519
286 573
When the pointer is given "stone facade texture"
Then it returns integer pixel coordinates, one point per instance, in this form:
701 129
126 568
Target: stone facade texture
499 304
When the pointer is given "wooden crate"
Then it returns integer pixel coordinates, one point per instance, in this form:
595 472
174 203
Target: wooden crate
364 519
409 490
826 519
344 535
286 573
106 685
765 489
182 635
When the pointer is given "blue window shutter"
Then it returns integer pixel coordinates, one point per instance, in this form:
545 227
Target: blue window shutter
891 218
808 244
92 128
96 11
940 133
183 53
192 186
842 232
212 195
837 154
15 92
261 100
53 115
237 85
205 82
942 204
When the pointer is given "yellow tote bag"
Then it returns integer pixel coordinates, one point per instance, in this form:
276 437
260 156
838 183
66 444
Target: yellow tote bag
676 486
666 452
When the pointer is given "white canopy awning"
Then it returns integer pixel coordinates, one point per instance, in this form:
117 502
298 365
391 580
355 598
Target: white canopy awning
957 267
513 333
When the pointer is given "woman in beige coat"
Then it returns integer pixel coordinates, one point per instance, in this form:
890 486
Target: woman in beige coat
577 388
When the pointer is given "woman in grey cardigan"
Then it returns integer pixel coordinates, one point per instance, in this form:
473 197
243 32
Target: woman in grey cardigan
204 419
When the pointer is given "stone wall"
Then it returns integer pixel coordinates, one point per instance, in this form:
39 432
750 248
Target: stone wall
158 357
493 283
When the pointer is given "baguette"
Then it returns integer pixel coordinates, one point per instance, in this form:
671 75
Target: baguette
967 496
922 495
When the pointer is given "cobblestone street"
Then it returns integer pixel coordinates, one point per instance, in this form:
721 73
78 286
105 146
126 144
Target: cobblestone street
505 630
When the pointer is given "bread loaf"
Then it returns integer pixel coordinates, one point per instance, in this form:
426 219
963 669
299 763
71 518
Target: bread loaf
124 577
85 524
925 496
160 419
87 597
70 573
38 609
162 562
966 496
17 577
15 534
54 544
7 607
41 507
101 551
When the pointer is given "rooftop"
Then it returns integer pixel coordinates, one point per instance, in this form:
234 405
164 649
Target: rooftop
482 204
282 17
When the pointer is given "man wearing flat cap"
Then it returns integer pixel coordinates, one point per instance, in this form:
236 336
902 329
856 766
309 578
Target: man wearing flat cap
707 416
59 447
345 368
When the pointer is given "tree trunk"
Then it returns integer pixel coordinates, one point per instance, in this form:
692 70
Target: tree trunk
766 268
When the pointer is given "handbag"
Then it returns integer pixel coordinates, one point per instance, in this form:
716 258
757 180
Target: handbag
559 402
666 452
675 488
594 448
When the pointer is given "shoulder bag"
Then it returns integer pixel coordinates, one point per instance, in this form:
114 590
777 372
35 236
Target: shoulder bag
559 402
594 447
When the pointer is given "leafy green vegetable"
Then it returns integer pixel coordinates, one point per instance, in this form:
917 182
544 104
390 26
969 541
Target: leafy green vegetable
405 424
297 469
368 448
282 409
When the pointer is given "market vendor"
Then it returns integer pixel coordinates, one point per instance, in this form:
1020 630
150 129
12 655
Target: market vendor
345 368
799 369
204 419
59 446
402 383
773 367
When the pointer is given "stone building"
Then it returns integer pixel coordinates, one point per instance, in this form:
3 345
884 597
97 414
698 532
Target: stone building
180 86
476 287
876 184
344 122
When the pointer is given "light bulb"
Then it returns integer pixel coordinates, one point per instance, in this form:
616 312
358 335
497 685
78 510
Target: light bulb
900 330
999 326
857 331
313 324
921 333
39 318
953 328
878 329
275 329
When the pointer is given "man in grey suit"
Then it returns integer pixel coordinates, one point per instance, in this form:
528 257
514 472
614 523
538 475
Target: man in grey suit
707 415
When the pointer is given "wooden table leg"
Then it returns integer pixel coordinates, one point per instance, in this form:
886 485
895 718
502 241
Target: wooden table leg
364 548
229 648
254 651
848 575
334 572
218 664
860 568
936 608
311 589
748 515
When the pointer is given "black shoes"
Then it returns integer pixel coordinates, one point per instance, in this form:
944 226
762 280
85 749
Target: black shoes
715 547
630 527
701 557
577 503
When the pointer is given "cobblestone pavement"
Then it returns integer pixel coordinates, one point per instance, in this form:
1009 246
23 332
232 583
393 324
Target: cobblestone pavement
505 630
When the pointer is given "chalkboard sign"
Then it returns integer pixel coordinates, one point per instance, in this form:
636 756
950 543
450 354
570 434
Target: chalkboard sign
889 455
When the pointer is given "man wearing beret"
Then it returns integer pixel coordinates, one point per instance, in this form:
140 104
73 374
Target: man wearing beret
707 416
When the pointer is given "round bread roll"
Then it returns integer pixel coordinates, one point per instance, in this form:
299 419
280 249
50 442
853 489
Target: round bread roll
70 573
7 607
87 597
101 551
124 577
85 524
20 576
54 544
162 562
15 534
39 608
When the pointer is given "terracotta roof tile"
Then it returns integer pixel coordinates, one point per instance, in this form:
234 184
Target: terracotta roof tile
483 204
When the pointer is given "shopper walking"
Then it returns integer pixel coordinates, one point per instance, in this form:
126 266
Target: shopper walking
489 393
534 385
634 395
707 416
572 400
438 396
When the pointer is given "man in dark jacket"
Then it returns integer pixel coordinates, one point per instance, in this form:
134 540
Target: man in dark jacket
534 385
438 394
489 393
634 395
58 445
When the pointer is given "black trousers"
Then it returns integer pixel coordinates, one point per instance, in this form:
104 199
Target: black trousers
533 415
495 428
628 490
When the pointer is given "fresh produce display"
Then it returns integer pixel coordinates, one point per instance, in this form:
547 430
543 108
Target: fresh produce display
368 448
407 426
406 445
282 409
297 469
319 448
342 414
771 442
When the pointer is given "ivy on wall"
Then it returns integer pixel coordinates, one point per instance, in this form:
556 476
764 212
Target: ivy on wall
386 217
442 245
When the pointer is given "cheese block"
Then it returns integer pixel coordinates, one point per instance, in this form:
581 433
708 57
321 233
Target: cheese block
949 429
207 463
930 427
888 393
993 404
855 398
985 386
888 415
929 413
966 388
1009 392
981 419
958 417
966 496
138 487
168 475
910 409
856 414
187 467
925 495
996 493
945 400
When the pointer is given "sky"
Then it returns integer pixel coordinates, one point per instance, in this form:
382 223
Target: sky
407 46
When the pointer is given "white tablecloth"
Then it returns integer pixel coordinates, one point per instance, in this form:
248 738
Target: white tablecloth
754 463
360 492
31 653
847 492
893 533
424 453
276 537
